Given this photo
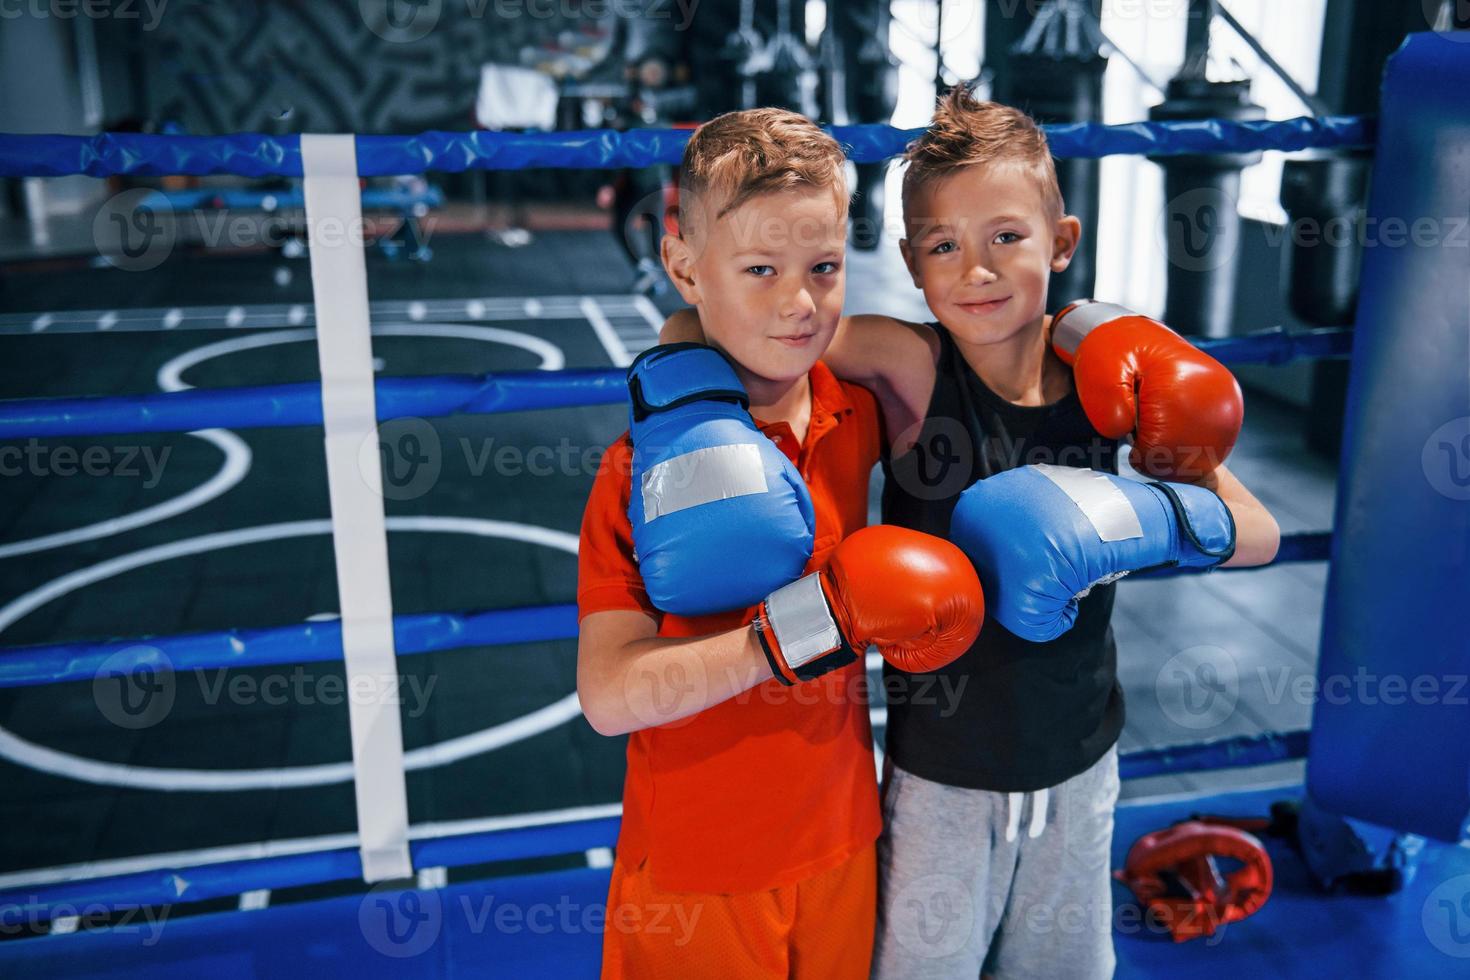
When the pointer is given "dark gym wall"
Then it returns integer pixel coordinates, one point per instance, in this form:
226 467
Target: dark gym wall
285 66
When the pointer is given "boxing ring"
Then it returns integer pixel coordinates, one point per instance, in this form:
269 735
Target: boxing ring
1400 566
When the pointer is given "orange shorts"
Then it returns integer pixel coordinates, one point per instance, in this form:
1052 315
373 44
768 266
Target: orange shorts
820 927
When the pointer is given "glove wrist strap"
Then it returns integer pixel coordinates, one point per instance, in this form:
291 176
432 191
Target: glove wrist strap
798 633
1206 526
670 375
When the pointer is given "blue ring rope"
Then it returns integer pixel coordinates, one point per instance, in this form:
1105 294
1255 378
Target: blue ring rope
300 643
272 406
259 155
167 886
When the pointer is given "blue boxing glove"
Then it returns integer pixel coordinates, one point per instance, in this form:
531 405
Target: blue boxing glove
1042 536
720 517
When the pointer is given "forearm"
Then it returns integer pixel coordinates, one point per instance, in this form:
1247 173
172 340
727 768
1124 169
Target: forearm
1257 535
657 680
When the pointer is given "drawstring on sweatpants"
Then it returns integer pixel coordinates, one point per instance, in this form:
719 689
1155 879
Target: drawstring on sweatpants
1014 802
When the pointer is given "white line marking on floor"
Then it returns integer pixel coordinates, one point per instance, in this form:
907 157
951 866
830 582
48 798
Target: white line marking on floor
45 759
649 312
615 350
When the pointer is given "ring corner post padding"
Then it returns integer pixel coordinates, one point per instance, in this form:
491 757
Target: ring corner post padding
359 527
1391 723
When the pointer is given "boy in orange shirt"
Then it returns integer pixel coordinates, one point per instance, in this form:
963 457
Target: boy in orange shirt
750 806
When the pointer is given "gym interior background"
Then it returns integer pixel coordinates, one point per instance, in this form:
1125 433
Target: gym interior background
512 270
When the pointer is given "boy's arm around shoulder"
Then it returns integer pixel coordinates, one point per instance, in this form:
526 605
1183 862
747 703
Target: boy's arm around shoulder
892 358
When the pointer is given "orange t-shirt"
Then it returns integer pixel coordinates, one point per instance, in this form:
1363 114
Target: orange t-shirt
776 784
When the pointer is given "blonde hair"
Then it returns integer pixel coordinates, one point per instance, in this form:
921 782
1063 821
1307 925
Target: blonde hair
967 132
739 155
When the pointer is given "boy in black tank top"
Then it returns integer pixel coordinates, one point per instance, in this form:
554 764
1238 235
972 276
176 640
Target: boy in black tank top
1001 769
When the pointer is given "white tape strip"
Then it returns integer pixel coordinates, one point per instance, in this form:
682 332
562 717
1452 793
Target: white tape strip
702 477
1104 505
359 537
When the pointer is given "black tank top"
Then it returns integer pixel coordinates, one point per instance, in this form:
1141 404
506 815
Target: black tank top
1009 715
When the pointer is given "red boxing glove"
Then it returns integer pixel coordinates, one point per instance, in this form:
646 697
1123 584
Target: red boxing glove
1138 378
914 596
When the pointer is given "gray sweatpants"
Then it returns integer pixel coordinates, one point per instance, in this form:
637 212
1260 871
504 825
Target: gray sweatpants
1016 883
